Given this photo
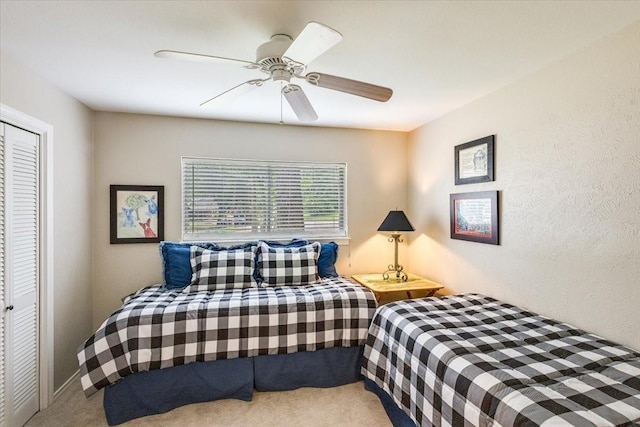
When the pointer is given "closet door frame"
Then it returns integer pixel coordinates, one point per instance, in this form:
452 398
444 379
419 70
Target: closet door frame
45 308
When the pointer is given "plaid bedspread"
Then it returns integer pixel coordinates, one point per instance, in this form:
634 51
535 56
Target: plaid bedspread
470 360
156 329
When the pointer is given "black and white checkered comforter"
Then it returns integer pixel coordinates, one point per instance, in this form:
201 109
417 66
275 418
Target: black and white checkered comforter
156 329
470 360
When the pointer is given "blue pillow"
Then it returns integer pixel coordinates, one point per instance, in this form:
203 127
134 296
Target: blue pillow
327 260
176 262
294 243
238 246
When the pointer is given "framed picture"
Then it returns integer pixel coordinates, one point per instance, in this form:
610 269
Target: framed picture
474 217
137 213
474 161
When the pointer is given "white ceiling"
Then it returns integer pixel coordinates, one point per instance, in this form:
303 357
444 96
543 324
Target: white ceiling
435 55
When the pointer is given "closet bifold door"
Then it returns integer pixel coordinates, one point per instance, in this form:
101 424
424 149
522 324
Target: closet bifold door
19 279
2 283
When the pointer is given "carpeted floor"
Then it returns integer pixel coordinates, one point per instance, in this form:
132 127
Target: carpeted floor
348 405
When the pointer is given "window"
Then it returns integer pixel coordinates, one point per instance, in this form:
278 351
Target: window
248 199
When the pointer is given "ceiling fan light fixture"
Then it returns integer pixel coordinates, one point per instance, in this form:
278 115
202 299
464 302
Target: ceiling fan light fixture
299 103
281 75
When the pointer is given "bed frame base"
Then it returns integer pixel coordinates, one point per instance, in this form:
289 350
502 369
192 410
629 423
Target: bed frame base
159 391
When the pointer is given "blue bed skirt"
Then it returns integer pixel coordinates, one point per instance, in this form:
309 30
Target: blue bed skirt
323 368
396 415
159 391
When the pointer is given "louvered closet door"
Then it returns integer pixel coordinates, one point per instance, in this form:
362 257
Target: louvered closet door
20 275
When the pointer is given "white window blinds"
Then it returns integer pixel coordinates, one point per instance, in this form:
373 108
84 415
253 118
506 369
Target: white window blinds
249 199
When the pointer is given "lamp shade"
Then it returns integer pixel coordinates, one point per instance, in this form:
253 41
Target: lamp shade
396 221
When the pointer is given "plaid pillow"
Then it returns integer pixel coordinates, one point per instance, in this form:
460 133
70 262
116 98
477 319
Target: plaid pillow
288 266
213 270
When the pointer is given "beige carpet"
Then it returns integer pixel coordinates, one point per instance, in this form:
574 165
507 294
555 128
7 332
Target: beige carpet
348 405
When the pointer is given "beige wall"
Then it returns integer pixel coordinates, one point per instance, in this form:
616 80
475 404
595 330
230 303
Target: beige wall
568 171
139 149
24 91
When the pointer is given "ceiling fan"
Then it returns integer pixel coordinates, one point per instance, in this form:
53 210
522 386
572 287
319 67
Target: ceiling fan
283 59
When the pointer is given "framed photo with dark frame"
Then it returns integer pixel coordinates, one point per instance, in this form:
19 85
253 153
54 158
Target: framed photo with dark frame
136 213
474 161
474 217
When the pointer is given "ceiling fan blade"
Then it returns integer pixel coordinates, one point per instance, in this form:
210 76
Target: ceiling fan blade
353 87
235 91
313 41
198 57
299 103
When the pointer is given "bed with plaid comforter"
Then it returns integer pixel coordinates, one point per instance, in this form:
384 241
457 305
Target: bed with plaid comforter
470 360
156 329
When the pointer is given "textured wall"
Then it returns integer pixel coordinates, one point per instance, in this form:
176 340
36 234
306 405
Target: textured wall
72 123
568 171
139 149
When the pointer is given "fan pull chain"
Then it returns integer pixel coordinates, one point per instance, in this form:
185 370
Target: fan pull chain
281 87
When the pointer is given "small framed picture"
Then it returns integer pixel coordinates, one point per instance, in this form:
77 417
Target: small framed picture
137 213
474 217
474 161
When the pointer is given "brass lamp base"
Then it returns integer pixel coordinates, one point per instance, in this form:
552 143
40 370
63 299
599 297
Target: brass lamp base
395 267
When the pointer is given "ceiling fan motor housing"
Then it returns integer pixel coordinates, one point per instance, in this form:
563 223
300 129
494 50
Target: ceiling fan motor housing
271 52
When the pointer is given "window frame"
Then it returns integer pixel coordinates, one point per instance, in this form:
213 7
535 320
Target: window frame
342 237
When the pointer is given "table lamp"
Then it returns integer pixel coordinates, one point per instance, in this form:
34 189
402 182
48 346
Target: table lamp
395 222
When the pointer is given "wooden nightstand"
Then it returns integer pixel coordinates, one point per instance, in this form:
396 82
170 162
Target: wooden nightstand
379 286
